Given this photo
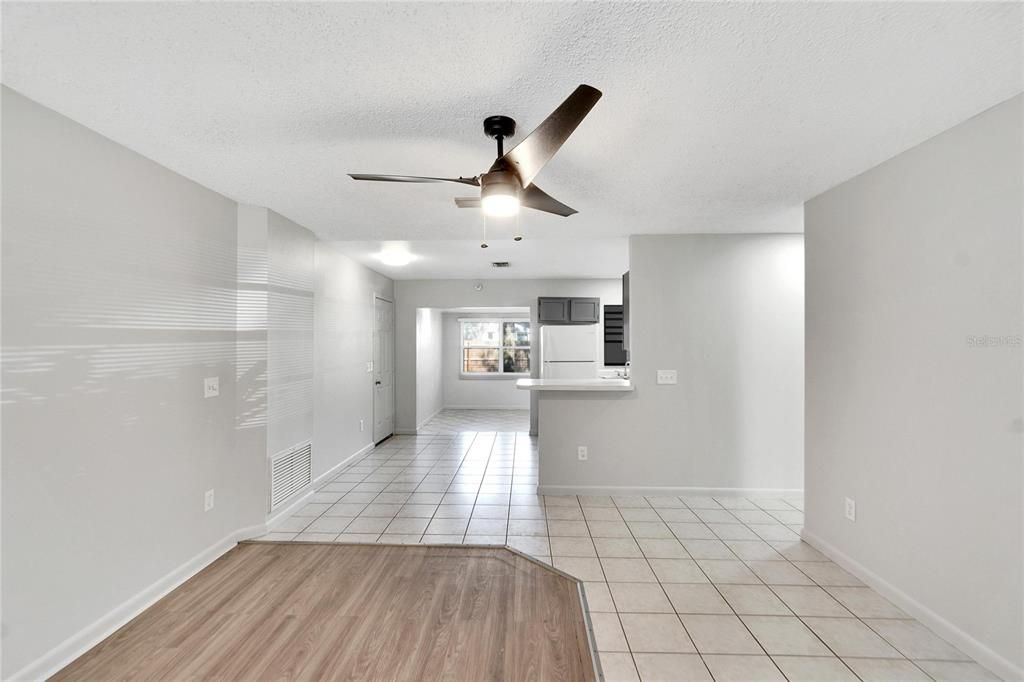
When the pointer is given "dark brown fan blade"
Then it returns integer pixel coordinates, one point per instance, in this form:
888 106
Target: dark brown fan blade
529 156
536 198
412 178
467 202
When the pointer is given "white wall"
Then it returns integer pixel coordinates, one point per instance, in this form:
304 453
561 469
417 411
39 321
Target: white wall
343 389
119 296
124 285
290 302
725 312
252 259
429 361
461 293
905 264
314 307
485 391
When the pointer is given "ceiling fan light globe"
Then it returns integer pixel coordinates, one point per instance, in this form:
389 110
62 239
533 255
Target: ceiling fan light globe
500 205
499 194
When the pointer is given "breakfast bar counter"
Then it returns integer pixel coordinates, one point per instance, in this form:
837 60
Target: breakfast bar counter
574 385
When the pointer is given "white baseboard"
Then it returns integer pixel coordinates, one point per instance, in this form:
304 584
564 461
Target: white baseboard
91 635
432 415
299 501
665 490
334 470
981 653
303 496
76 645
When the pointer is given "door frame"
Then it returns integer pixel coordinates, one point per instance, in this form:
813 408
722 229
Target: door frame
373 390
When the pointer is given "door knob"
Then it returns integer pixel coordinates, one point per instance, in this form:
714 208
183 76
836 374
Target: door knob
377 383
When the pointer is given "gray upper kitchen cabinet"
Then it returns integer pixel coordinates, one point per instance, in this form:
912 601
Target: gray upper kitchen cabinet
552 310
585 310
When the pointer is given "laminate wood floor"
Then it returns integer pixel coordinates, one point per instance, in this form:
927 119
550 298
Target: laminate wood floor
268 611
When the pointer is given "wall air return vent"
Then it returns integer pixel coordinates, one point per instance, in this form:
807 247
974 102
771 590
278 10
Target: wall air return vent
290 471
500 264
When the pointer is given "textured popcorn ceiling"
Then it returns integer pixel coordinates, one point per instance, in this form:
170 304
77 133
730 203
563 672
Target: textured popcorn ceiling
716 117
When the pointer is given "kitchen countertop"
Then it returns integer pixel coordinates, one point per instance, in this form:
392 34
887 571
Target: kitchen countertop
574 385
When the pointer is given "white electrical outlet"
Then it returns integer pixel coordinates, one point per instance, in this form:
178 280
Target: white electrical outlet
851 509
208 500
211 387
581 453
667 376
362 425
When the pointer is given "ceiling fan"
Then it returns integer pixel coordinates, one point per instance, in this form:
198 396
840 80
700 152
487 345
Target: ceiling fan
509 182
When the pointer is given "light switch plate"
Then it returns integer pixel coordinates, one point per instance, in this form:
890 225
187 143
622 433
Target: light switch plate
667 376
851 509
208 500
369 366
211 387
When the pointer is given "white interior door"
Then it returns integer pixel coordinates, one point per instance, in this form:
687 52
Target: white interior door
383 369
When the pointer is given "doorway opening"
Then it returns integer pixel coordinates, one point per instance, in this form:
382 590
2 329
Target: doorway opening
467 364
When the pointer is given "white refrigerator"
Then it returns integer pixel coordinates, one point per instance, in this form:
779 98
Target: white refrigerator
569 351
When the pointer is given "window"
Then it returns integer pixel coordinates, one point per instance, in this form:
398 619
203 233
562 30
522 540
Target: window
495 346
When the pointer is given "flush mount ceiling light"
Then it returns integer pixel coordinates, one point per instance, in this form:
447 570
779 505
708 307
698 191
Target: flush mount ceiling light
397 259
396 255
509 181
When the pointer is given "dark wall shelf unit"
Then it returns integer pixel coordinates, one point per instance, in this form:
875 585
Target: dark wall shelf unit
615 355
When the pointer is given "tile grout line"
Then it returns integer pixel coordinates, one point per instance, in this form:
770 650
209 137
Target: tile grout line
714 585
661 585
462 460
438 505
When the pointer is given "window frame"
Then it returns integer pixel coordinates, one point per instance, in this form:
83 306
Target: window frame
501 348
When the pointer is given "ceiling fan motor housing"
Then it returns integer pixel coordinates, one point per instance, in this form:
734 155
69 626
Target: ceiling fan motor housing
499 182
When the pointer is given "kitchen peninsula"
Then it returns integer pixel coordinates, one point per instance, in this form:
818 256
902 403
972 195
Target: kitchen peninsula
572 415
574 384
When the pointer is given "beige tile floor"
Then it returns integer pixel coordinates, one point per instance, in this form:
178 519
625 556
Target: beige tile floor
679 588
451 422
